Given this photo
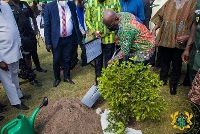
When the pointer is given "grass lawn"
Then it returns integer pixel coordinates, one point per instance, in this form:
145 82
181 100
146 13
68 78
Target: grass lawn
84 79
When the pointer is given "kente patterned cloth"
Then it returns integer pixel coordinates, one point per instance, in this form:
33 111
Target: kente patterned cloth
174 19
94 18
194 93
134 38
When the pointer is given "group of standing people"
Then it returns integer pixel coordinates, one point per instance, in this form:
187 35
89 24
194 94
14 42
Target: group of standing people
18 42
177 38
92 19
178 41
15 29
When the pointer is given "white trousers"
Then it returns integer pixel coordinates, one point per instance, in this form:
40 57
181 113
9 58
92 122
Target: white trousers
10 82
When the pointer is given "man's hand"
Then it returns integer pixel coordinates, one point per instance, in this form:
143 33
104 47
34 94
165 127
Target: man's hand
153 32
97 34
182 39
185 56
110 61
48 47
4 66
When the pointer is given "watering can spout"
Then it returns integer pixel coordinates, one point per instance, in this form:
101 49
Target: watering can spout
33 115
22 125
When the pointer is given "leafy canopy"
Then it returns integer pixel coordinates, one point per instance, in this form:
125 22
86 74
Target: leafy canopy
132 91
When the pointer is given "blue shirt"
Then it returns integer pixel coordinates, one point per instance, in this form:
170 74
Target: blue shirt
134 7
80 14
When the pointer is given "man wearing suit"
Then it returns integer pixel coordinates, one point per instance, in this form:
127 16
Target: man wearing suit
10 54
61 27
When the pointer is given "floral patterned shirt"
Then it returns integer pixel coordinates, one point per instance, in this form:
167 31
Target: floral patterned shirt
134 38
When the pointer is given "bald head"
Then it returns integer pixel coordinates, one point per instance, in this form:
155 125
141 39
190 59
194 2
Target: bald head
108 16
111 19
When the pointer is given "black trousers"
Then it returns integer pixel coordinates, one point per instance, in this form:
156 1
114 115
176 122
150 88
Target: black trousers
186 80
83 55
192 74
107 53
171 55
62 53
74 55
155 60
74 58
34 53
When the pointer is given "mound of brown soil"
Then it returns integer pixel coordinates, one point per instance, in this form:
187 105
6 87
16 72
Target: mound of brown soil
68 117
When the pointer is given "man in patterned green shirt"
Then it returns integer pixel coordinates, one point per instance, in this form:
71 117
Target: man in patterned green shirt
133 37
94 22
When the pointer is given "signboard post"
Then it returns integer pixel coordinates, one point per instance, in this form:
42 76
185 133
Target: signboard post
93 49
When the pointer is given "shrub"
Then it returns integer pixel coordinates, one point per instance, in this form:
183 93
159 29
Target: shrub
132 91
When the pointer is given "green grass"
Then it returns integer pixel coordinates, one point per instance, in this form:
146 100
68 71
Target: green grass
84 79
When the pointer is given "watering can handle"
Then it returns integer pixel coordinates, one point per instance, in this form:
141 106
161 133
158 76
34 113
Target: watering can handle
9 125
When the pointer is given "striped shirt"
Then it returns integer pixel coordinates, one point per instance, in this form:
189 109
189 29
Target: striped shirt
174 20
94 15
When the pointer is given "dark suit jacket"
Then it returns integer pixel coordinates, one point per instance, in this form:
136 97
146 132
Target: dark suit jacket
52 24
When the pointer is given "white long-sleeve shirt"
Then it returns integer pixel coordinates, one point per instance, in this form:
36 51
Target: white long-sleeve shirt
10 40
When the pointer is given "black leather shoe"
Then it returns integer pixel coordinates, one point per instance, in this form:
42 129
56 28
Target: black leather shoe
26 97
180 84
165 83
2 105
21 106
69 81
56 83
2 110
41 70
1 118
172 90
184 84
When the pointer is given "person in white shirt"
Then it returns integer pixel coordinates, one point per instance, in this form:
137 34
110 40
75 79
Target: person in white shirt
10 43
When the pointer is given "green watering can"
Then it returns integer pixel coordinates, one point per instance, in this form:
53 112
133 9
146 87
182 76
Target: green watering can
22 125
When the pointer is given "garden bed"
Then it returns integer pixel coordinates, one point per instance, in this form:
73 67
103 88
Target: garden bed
68 117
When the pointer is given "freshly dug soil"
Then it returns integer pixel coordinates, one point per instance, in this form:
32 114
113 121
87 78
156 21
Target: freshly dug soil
68 117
